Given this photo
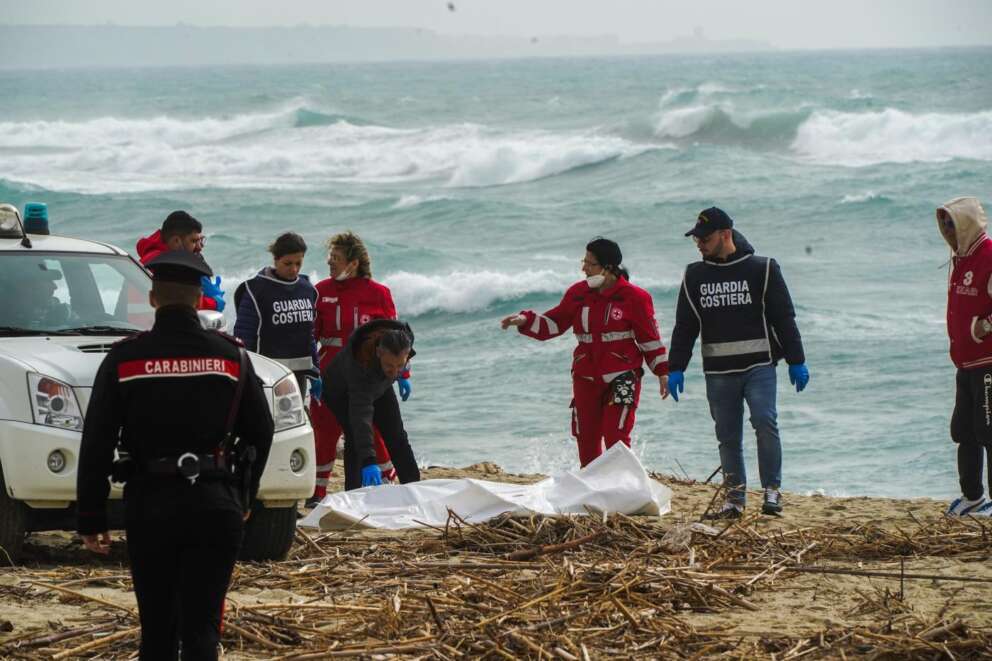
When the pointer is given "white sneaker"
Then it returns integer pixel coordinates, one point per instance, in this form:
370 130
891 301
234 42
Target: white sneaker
963 507
984 510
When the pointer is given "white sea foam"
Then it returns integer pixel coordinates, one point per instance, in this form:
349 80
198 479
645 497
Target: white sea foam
893 136
290 148
469 291
724 120
472 291
534 155
857 198
683 122
410 201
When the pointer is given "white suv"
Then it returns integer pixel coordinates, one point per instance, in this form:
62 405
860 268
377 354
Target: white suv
64 303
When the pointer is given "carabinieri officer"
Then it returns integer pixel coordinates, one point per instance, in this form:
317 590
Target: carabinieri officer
174 400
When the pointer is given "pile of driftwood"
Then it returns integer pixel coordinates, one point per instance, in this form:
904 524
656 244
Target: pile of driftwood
584 587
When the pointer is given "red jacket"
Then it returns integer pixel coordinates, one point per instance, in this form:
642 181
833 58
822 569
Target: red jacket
343 306
616 330
969 298
150 247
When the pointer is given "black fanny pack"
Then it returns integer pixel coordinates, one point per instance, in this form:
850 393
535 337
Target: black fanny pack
624 388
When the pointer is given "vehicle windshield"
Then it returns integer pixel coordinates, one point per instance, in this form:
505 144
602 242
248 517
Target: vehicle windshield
73 294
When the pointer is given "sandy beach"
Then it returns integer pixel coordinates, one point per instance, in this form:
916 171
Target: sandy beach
766 595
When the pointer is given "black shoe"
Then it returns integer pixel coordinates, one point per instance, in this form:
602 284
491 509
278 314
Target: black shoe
312 502
773 502
728 511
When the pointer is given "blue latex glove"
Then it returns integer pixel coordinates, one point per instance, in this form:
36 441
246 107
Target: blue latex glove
799 376
676 384
405 388
316 389
211 289
371 476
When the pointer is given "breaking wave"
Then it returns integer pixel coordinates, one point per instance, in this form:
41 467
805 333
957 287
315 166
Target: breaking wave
296 147
893 136
470 291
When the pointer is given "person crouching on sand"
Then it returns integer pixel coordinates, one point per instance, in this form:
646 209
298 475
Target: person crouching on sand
962 223
614 323
359 392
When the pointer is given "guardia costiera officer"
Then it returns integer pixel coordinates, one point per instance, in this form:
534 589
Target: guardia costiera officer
185 407
737 302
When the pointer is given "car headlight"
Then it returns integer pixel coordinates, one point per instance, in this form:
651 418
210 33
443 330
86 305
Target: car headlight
53 403
287 404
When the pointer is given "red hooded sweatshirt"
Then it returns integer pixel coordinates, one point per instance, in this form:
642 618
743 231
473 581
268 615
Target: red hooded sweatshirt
150 247
969 288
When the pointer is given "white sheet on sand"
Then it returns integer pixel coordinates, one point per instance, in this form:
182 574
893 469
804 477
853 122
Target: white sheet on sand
615 482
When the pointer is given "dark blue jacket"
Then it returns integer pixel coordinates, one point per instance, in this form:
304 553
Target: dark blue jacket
742 309
276 317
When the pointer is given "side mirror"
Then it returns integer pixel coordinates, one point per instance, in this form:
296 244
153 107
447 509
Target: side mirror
211 319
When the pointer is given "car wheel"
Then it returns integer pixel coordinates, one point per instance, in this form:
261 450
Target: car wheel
13 520
268 533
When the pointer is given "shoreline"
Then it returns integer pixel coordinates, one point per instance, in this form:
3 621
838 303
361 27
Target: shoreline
763 590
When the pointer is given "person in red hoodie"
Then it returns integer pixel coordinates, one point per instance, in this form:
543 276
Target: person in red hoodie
962 222
614 323
348 299
181 231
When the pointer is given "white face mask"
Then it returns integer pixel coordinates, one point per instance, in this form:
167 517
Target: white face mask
596 281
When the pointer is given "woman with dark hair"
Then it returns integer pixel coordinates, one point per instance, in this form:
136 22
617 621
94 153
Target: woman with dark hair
276 312
346 300
360 394
613 321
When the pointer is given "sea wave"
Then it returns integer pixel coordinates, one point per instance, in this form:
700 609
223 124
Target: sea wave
867 196
470 291
893 136
410 201
720 113
463 291
293 147
723 122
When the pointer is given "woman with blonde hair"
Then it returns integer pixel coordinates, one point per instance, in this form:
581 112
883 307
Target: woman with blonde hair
348 299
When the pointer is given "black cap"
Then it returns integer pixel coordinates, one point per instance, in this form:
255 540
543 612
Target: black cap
180 266
709 221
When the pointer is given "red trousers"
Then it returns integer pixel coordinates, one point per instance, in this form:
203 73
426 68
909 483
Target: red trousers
596 420
326 432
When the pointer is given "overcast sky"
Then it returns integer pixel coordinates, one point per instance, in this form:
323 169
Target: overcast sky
783 23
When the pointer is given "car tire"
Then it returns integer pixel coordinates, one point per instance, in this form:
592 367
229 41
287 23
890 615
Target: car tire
268 533
13 521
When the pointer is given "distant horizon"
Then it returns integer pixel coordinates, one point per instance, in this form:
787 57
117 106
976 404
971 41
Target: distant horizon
786 24
698 34
112 45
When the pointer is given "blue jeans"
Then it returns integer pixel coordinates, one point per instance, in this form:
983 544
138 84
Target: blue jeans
726 394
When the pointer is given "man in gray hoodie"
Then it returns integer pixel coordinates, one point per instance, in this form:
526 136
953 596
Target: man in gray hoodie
359 391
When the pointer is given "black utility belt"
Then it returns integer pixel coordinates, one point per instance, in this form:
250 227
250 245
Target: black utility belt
191 466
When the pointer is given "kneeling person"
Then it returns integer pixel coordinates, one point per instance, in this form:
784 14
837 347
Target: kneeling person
359 391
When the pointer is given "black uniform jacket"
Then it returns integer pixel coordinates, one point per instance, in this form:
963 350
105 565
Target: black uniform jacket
355 376
742 308
161 394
